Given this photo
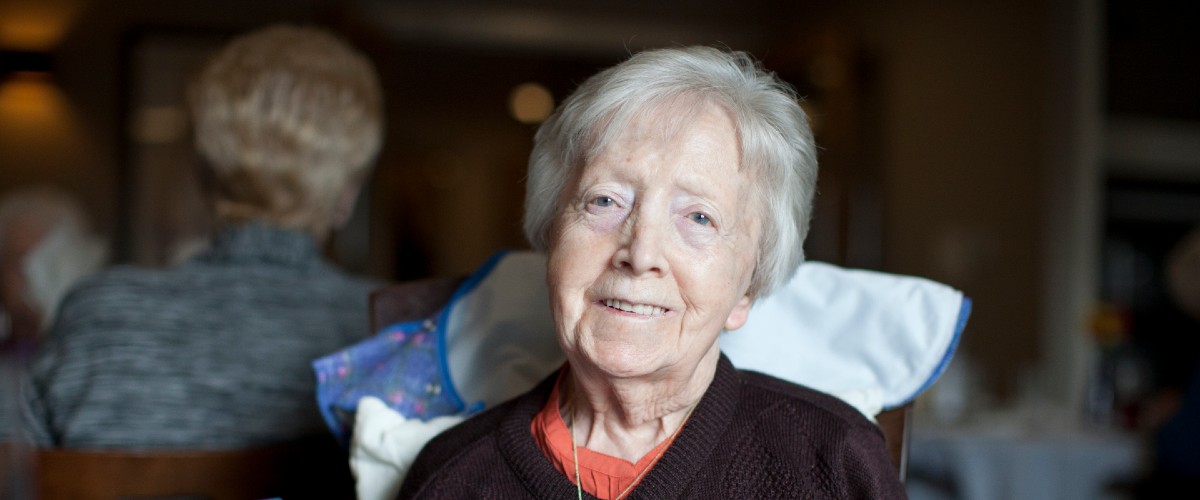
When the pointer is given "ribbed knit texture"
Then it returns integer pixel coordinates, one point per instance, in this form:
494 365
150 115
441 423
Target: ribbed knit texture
214 353
752 436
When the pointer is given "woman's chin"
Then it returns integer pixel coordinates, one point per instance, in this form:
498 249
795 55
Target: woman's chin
625 363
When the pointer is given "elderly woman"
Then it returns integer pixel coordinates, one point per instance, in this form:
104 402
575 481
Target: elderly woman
668 193
215 352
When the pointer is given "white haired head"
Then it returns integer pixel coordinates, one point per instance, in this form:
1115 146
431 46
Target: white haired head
288 120
776 143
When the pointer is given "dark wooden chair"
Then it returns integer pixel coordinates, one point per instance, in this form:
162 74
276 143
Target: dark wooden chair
411 300
316 468
420 299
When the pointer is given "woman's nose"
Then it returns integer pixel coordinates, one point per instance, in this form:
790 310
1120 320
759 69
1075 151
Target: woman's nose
642 249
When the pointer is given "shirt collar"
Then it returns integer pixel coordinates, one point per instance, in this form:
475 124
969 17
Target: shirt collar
258 242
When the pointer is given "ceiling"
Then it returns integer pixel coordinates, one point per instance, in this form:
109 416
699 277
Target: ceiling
618 26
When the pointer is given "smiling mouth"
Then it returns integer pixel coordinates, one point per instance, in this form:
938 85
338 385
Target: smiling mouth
642 309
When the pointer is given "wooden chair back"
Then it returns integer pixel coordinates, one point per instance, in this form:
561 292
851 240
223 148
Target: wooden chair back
896 425
420 299
411 300
309 469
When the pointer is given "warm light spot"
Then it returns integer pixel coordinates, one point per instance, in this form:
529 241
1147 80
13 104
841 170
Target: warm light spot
29 99
38 129
29 36
36 25
530 103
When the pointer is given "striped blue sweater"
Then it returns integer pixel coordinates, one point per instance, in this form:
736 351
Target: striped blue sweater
214 353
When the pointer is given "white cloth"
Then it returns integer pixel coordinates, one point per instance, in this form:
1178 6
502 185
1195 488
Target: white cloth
875 340
63 257
385 444
499 333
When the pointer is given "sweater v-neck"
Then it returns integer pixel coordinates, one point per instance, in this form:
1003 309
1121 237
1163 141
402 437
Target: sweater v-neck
668 478
600 474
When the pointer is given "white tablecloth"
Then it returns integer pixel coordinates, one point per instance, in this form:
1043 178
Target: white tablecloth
983 463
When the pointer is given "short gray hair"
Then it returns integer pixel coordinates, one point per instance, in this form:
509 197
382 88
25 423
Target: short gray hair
776 143
287 118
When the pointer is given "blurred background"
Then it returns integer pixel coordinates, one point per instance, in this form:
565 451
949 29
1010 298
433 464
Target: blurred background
1041 156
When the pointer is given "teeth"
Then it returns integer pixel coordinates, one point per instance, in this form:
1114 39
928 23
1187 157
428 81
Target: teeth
642 309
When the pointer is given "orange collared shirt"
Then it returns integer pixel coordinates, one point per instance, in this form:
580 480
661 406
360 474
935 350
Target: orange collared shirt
603 476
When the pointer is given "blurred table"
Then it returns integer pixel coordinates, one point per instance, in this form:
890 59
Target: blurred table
999 462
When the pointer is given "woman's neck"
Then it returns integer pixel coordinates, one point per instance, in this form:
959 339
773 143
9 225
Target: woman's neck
626 418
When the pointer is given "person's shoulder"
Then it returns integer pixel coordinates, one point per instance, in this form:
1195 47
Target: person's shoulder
819 432
764 393
121 274
472 430
122 295
462 447
119 284
477 457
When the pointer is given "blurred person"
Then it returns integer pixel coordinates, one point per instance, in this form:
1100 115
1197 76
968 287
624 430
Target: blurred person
214 353
668 193
46 244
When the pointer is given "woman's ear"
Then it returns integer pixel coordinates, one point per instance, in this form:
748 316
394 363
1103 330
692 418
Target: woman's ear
740 313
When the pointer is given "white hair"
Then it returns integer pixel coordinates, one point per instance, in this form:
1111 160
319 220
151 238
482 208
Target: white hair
288 118
776 143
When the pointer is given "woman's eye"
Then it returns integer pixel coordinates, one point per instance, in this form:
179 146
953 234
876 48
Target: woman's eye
700 218
604 201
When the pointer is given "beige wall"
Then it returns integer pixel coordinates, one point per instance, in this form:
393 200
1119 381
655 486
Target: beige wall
964 88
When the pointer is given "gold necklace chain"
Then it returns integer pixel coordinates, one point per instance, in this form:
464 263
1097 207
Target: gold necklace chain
638 477
575 456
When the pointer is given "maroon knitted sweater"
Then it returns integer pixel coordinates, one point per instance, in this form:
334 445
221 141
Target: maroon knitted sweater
751 436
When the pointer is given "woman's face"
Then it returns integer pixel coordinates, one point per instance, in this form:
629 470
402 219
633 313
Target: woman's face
653 249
